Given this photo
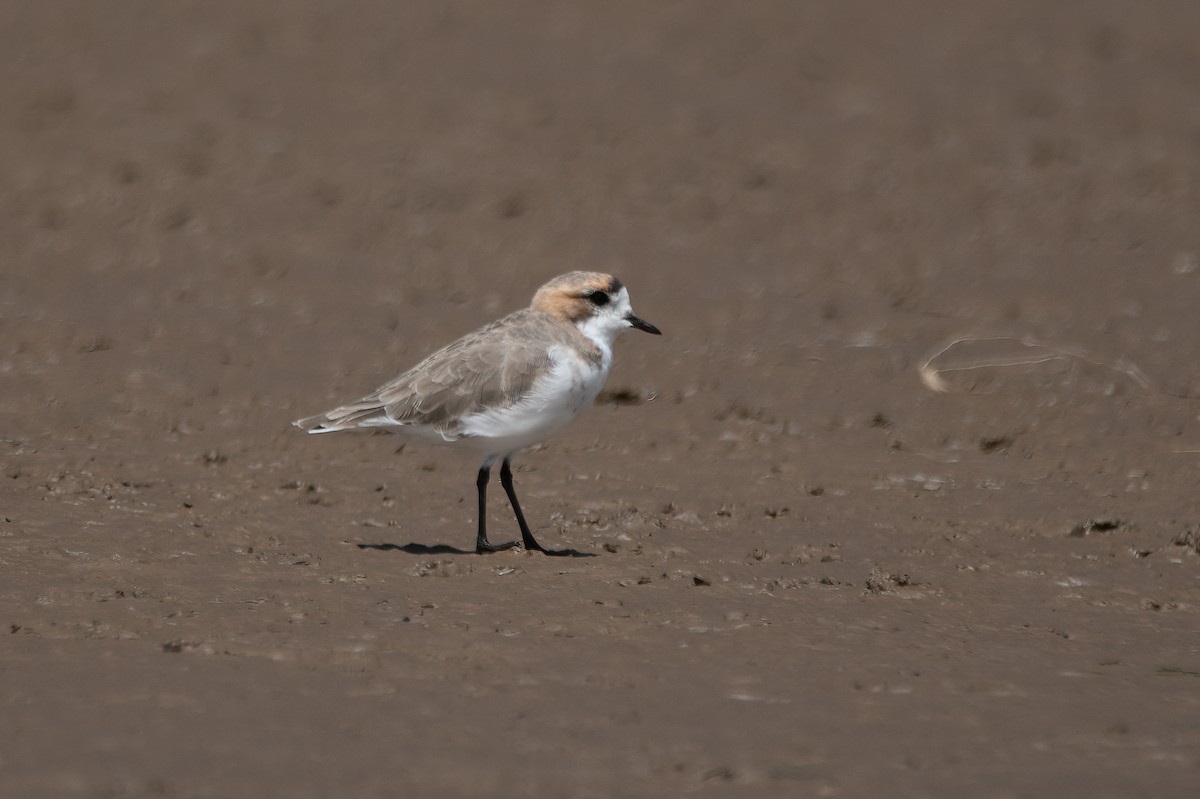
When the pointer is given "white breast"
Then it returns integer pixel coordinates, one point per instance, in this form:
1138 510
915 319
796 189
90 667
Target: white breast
558 396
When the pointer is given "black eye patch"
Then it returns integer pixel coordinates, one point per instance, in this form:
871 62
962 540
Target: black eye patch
598 297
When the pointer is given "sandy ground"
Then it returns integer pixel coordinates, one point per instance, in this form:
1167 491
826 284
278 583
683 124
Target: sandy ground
813 576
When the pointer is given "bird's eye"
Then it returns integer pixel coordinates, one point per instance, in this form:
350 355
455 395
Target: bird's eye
598 297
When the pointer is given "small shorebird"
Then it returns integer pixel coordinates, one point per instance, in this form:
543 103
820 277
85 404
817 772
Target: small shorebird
507 386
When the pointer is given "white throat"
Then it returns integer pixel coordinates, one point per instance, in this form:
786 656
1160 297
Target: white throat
602 332
607 323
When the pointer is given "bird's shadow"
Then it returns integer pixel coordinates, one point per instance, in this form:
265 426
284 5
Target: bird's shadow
414 548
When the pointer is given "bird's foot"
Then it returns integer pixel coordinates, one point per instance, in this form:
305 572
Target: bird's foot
530 545
484 547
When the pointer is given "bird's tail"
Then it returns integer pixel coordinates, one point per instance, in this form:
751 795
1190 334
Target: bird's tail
346 417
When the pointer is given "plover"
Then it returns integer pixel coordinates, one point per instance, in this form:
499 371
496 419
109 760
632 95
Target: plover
507 386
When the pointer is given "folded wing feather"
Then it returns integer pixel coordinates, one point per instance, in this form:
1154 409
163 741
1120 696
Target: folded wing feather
486 369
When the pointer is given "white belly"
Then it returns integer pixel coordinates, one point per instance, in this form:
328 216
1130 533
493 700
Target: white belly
560 395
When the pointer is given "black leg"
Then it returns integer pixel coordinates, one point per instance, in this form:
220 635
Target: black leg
481 540
526 536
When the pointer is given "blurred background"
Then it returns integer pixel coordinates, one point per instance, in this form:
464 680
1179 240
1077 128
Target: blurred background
299 180
218 217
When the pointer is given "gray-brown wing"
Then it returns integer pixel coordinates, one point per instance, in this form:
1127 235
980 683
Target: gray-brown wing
493 367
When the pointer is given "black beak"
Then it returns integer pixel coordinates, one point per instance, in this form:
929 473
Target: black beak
642 324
